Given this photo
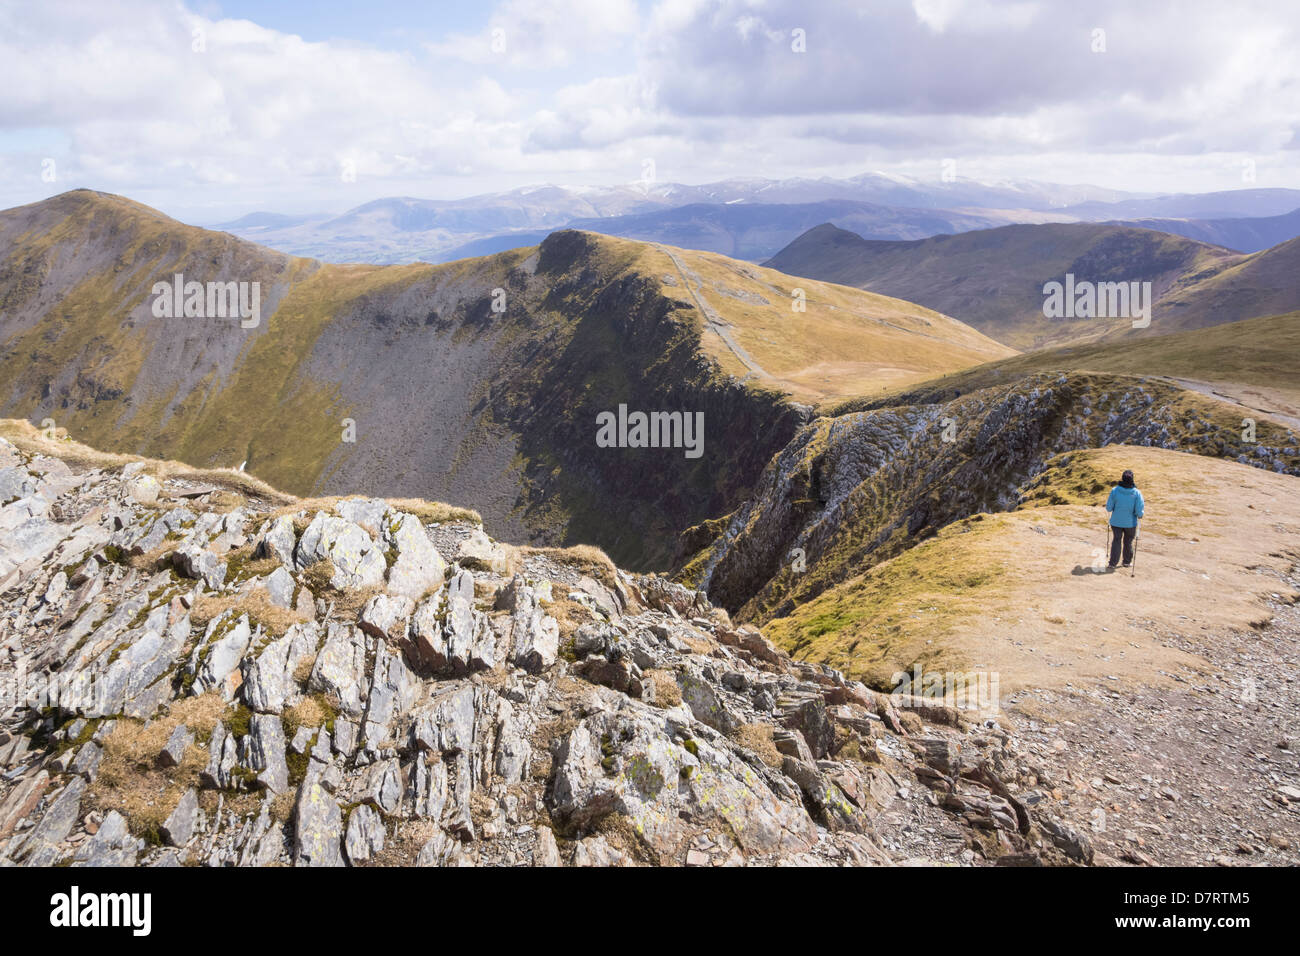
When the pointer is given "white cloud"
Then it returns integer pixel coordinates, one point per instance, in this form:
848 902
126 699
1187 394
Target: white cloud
585 89
543 34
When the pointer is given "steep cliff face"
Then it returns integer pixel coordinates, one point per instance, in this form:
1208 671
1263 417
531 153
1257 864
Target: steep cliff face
856 489
477 381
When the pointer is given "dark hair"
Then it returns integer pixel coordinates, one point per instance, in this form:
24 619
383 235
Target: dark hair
1126 479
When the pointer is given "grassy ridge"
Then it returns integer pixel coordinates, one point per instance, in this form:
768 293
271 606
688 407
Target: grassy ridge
1018 592
1262 352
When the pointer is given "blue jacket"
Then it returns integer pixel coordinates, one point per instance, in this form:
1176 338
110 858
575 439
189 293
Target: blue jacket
1125 506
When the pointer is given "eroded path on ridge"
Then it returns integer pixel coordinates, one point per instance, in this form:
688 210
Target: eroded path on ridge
1206 772
1250 399
714 321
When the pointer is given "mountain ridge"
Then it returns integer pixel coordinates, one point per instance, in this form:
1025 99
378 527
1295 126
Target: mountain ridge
995 279
448 396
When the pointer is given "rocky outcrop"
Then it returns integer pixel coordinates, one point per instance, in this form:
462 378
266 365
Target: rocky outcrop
414 710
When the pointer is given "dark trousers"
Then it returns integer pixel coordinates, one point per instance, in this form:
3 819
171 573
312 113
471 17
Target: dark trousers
1125 537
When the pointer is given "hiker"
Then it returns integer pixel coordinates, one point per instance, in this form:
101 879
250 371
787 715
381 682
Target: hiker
1126 508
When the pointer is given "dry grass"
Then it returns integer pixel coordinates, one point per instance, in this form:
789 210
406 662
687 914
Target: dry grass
304 669
1023 594
275 620
427 511
310 712
846 342
282 805
667 693
436 511
403 845
348 601
241 565
699 645
569 614
587 558
130 780
757 739
155 559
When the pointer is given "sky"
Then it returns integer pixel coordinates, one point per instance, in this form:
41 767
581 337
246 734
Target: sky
209 110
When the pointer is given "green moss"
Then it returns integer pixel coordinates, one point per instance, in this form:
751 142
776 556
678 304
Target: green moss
239 720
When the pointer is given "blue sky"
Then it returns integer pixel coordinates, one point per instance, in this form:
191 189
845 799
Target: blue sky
209 110
382 23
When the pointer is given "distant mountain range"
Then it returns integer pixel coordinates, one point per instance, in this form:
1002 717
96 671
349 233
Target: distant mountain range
744 218
715 217
1244 234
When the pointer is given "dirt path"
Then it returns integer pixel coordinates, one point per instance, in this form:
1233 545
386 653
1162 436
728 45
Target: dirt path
1206 772
714 321
1250 399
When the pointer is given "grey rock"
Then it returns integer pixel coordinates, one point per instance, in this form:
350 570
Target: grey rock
446 723
546 852
357 560
216 660
428 786
1067 839
279 585
706 702
178 828
174 752
57 821
266 752
276 539
393 690
223 758
269 684
112 844
478 551
345 736
805 711
318 827
426 638
385 616
365 836
471 643
633 762
534 637
340 669
371 513
380 784
199 563
86 763
419 567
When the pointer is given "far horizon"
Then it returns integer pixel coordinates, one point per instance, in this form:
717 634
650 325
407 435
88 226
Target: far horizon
466 100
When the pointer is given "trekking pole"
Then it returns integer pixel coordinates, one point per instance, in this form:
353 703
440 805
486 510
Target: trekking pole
1133 565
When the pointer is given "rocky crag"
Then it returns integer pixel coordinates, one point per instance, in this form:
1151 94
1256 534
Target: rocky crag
858 487
202 672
